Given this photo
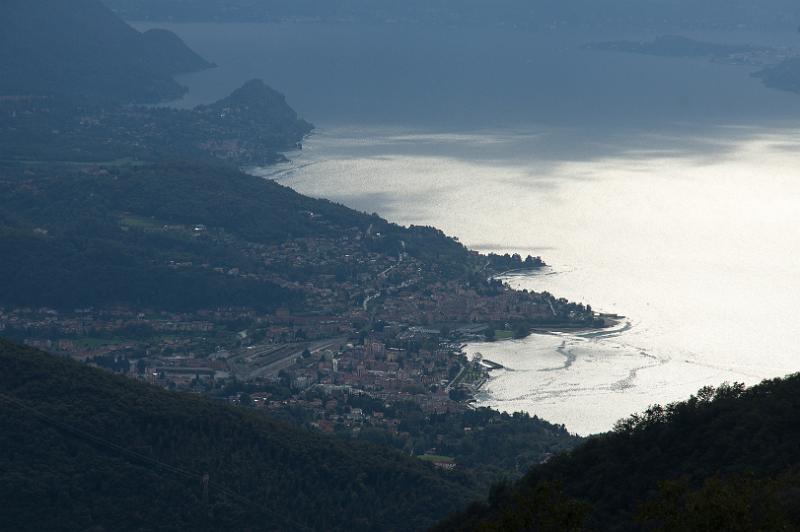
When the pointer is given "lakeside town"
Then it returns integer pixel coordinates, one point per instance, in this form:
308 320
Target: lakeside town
343 322
372 347
363 316
390 380
317 314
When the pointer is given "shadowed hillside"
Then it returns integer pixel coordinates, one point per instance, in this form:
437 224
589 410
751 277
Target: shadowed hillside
89 236
83 449
80 48
726 459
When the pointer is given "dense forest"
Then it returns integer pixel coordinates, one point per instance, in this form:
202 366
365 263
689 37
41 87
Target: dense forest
726 459
81 48
86 450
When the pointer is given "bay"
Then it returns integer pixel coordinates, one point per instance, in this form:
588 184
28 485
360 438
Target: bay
665 190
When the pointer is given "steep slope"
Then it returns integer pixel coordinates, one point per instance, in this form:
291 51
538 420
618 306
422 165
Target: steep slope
169 53
81 48
257 115
85 450
728 456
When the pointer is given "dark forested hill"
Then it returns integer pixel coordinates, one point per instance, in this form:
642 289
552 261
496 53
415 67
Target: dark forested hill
81 48
75 236
85 450
253 126
726 459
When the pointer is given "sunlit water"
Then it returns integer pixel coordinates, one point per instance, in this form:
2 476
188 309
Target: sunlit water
698 250
664 190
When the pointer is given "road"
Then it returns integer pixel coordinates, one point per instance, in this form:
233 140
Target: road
268 359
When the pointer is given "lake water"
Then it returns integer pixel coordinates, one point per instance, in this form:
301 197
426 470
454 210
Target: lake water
666 190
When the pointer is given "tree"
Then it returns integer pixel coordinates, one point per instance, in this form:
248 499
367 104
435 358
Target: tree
521 330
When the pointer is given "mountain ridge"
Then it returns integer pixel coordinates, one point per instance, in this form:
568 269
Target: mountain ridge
81 48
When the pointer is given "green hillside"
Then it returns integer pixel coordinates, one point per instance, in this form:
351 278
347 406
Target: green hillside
85 450
726 459
76 236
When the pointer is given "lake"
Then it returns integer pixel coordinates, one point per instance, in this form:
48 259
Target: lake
665 190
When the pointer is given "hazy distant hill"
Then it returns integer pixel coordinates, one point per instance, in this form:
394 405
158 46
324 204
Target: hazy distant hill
675 46
638 14
101 240
79 47
251 107
727 459
86 450
252 126
783 76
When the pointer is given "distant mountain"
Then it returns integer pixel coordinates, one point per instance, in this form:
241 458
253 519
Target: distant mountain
783 76
81 48
537 14
86 450
675 46
253 105
726 459
253 126
779 67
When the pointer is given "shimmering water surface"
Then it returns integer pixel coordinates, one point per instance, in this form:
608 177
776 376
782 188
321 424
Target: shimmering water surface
665 190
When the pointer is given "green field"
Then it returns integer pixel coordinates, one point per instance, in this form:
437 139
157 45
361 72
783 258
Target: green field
502 334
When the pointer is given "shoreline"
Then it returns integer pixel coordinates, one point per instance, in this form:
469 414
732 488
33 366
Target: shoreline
610 321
